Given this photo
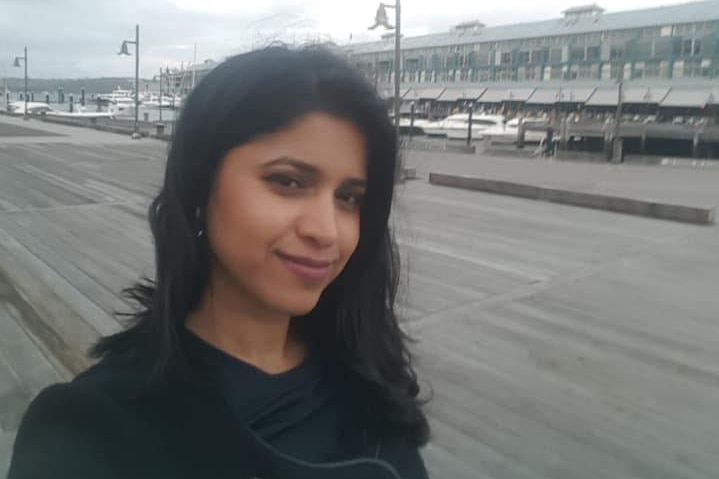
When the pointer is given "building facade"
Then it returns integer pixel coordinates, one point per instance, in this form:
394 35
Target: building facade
586 43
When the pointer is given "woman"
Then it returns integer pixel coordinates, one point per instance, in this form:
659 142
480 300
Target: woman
267 345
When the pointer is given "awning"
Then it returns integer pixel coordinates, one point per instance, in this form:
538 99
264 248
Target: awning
644 95
695 98
387 92
499 95
574 95
456 94
423 93
603 97
544 96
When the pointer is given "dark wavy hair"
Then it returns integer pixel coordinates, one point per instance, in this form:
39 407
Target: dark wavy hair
354 323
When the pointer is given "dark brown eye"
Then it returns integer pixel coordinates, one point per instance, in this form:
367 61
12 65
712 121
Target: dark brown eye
285 181
351 199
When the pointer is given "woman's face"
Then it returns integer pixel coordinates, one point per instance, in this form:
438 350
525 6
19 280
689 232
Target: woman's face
284 215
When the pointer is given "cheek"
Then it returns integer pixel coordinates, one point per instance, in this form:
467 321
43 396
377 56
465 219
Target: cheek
240 222
349 238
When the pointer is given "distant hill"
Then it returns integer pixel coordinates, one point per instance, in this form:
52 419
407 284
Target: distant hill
75 85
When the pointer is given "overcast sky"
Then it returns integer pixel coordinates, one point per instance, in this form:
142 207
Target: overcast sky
79 38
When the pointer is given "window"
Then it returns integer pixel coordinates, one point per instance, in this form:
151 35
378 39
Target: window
539 56
652 70
504 74
555 55
576 54
593 53
696 68
616 52
523 58
483 58
506 58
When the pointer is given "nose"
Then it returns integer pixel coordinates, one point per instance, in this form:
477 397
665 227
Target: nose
319 221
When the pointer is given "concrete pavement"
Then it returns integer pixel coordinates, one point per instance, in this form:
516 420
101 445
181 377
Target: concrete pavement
559 342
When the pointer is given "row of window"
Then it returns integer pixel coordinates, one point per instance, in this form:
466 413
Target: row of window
653 69
659 48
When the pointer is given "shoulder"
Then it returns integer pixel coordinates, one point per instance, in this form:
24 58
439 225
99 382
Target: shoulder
80 428
404 457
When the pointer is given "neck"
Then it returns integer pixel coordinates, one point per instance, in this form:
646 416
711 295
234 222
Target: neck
231 322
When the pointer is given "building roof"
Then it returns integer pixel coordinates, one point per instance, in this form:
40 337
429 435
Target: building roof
659 16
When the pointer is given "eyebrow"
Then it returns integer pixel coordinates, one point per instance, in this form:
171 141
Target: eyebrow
310 169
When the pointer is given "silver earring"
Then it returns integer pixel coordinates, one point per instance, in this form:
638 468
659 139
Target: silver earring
200 231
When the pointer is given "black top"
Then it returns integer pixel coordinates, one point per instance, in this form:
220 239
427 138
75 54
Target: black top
296 411
217 418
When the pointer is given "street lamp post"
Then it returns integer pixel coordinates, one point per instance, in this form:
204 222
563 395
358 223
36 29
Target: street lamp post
617 144
160 95
17 64
125 51
381 20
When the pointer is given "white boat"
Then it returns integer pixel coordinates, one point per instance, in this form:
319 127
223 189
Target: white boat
43 109
509 133
122 99
456 126
417 125
166 101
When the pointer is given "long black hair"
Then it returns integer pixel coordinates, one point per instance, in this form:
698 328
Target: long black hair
354 322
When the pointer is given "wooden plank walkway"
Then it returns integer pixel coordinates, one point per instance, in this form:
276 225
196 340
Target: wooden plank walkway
558 342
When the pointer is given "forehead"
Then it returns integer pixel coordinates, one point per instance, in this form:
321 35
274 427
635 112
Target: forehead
333 146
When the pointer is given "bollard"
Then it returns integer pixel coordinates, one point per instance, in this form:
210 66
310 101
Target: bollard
47 98
520 133
82 97
72 105
695 145
32 96
618 147
7 98
607 145
563 134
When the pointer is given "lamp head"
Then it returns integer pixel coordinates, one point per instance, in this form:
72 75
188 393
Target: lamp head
123 49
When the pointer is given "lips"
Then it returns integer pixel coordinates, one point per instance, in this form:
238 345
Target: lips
308 270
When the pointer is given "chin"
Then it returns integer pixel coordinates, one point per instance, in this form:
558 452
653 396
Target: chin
300 304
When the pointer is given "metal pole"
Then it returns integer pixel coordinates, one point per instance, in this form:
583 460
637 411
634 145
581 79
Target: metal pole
469 124
137 78
160 94
411 120
397 61
616 141
25 117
